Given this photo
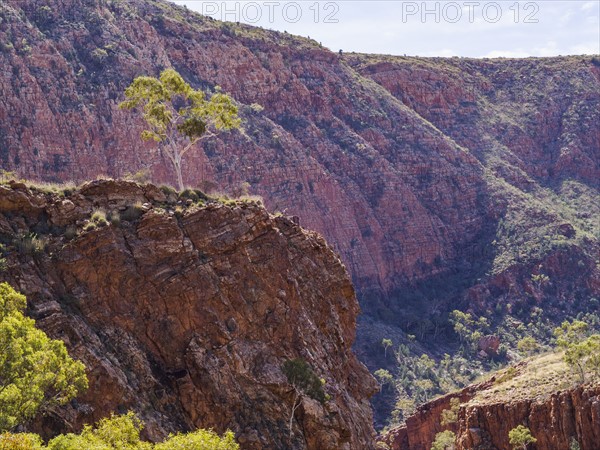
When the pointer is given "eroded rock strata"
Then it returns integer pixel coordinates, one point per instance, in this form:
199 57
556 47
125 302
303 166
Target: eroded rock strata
186 316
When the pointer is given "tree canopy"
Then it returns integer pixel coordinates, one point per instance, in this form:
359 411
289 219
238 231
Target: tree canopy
36 372
520 437
178 116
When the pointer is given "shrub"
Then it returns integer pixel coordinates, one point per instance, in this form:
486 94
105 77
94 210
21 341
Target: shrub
303 378
508 375
30 244
199 440
20 441
89 226
99 54
36 372
444 441
520 437
99 218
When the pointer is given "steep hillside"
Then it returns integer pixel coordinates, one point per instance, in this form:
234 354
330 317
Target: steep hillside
442 183
185 311
538 393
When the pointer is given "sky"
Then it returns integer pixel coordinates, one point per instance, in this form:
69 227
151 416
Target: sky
432 28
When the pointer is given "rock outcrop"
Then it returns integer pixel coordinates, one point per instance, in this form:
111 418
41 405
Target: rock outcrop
556 422
557 412
185 312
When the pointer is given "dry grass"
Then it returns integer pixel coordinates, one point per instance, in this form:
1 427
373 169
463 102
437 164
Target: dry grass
533 379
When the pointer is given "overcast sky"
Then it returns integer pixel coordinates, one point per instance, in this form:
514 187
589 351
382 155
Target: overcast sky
433 28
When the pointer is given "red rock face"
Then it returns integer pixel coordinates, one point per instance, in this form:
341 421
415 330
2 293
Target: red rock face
389 158
554 421
187 318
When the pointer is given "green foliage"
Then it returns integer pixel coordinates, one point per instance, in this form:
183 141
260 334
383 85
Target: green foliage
116 432
20 441
142 176
573 444
444 441
419 378
528 345
119 433
36 372
570 333
386 343
468 329
178 116
584 357
301 376
199 440
133 212
99 54
582 351
99 218
3 263
384 377
520 437
451 415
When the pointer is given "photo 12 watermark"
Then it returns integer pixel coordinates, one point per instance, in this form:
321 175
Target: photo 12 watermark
329 12
271 12
454 12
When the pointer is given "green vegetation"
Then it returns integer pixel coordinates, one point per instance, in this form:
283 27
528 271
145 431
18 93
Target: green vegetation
386 343
36 372
528 346
119 433
179 116
444 441
582 352
450 415
304 381
520 437
30 244
468 329
416 379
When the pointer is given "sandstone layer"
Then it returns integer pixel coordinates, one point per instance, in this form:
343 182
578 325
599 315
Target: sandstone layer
185 313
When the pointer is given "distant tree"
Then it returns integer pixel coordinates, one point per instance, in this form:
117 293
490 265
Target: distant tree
570 332
451 415
36 372
386 343
520 437
584 356
384 377
528 345
177 115
304 381
468 329
444 441
582 353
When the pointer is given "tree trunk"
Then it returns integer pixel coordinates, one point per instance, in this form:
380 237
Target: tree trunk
177 166
294 406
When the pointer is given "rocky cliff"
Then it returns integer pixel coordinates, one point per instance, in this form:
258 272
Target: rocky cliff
538 394
185 311
406 165
442 183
